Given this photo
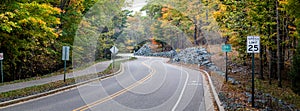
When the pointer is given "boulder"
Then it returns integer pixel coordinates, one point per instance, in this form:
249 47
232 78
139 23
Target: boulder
143 51
193 55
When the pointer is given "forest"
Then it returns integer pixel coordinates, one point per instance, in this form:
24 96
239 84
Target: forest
33 32
209 22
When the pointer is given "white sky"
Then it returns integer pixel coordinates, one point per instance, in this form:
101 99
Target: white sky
137 5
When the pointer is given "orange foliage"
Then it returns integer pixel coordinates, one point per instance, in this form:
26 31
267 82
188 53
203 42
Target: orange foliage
165 9
153 41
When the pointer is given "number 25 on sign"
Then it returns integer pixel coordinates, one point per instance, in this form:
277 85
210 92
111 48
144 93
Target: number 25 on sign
253 44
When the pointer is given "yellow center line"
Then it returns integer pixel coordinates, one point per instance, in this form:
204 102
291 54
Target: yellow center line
110 97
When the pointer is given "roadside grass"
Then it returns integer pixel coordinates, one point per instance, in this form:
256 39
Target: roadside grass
10 95
261 86
116 67
284 93
6 96
58 72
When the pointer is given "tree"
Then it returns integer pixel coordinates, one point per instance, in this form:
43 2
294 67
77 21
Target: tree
98 30
279 53
28 36
294 73
173 9
33 32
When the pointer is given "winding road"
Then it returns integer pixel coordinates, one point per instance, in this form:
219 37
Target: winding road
147 84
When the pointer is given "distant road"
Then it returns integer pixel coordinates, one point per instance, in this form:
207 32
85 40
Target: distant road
147 84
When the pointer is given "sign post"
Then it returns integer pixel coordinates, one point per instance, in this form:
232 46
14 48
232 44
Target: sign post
253 46
65 57
1 60
226 48
114 50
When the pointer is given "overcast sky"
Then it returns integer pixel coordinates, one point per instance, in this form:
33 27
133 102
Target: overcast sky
137 5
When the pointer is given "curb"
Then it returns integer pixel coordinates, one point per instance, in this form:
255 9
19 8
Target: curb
7 103
216 97
209 102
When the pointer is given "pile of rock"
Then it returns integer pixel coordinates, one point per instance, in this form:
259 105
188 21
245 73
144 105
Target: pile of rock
146 51
200 56
143 51
169 54
193 55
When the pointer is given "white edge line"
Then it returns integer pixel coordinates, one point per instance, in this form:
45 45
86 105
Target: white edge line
216 97
182 91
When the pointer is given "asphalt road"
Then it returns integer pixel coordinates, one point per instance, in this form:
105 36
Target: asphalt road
147 84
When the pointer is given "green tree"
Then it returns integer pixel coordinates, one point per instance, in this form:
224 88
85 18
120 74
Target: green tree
98 30
295 71
294 11
28 36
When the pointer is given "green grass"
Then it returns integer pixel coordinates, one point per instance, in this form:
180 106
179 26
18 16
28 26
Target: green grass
34 89
10 95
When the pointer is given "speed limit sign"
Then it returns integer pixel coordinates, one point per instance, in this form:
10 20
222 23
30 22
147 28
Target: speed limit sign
253 44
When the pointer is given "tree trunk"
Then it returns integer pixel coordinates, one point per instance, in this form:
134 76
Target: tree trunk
285 36
279 53
195 34
272 56
265 62
261 70
282 46
272 62
261 62
288 38
294 46
270 51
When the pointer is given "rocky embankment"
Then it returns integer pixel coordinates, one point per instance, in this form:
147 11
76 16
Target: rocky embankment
146 51
189 56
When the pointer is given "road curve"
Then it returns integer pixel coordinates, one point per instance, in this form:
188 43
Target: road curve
147 84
